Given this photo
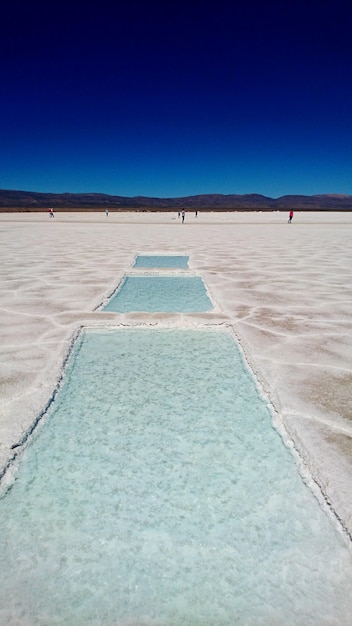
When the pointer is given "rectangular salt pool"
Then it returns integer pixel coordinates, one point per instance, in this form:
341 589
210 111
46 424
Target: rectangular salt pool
158 493
164 294
158 261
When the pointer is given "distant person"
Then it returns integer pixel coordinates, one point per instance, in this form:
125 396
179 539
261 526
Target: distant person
107 212
51 213
290 216
196 212
183 216
179 214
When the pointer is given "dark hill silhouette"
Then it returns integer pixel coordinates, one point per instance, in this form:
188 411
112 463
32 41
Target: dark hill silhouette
36 201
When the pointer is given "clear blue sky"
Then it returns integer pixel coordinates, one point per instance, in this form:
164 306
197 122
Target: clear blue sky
170 98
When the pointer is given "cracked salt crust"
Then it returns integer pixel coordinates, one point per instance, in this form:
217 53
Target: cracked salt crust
286 292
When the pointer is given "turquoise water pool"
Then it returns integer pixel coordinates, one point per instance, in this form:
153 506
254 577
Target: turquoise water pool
164 294
159 261
157 492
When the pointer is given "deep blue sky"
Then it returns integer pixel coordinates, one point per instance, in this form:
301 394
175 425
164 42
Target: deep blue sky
175 98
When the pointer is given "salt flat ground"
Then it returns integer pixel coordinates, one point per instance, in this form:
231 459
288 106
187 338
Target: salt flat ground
284 289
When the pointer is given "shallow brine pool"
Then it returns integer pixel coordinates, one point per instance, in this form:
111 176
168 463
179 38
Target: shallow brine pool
158 492
159 261
164 294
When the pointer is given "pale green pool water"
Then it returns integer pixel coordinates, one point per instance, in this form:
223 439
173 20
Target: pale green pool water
162 261
164 294
158 492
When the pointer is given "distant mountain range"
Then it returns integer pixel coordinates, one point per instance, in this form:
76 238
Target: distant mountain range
35 201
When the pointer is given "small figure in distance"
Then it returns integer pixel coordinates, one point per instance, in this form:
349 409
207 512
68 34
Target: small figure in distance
290 216
107 212
179 214
51 213
196 212
183 216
